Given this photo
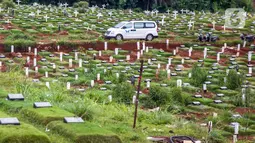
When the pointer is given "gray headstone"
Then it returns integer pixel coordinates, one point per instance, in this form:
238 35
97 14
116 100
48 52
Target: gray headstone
9 121
42 105
73 120
15 97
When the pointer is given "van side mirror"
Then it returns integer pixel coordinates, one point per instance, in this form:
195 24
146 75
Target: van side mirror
124 27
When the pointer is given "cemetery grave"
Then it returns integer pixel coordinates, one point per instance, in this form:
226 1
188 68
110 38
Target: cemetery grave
71 85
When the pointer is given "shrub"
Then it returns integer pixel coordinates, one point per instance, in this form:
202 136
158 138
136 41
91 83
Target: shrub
198 75
123 92
159 96
8 3
81 4
234 80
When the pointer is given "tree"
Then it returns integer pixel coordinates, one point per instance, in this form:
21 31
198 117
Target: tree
8 4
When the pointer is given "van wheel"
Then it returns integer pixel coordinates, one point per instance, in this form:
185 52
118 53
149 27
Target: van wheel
119 37
149 37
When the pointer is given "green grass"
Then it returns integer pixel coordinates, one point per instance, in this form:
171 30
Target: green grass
84 132
23 133
45 115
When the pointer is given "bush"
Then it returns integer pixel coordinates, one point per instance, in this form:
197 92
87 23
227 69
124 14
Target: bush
198 75
81 4
8 3
123 92
234 80
158 96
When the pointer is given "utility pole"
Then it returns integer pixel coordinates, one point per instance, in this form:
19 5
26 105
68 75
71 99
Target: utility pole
138 91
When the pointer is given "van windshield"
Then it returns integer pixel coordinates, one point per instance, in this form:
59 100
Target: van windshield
119 25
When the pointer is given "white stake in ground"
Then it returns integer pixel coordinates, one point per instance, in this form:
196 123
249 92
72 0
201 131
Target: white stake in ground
205 53
80 63
98 76
110 98
61 56
110 59
134 99
26 71
29 49
35 51
116 51
46 74
68 86
158 65
105 46
76 56
70 63
92 83
128 57
138 45
138 55
168 73
218 57
204 88
250 70
36 70
35 62
12 49
170 61
47 84
76 77
244 44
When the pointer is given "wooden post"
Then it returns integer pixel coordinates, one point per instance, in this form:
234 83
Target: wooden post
138 91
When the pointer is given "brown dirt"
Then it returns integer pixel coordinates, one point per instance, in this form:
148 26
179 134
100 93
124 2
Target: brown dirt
242 110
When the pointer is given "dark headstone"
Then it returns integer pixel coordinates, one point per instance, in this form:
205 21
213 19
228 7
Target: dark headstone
108 82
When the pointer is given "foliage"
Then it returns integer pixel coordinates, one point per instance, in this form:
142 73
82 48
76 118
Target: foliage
8 4
19 40
123 92
81 4
234 80
199 75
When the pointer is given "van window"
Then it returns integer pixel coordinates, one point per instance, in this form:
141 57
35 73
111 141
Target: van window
128 25
149 25
139 25
119 25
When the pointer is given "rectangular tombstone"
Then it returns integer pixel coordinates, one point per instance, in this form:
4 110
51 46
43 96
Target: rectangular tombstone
15 96
73 120
9 121
42 105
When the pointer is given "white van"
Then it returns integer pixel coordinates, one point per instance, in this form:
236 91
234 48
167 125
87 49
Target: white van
133 30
